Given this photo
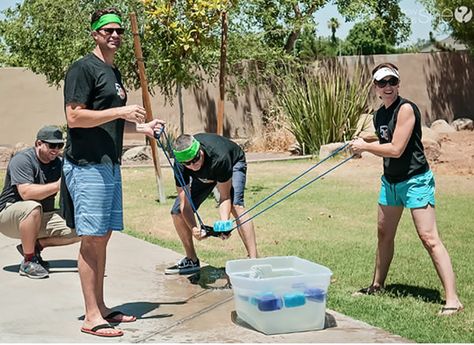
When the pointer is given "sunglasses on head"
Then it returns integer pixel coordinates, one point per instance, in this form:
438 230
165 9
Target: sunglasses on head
110 31
194 160
382 83
53 146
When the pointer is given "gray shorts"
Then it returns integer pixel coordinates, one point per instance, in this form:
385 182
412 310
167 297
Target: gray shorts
200 190
52 225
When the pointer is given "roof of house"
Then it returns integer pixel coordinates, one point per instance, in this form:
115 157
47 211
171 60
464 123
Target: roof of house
449 43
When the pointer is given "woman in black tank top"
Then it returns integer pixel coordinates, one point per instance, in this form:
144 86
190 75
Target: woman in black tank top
407 182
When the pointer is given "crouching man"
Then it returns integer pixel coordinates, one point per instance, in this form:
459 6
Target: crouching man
206 161
27 202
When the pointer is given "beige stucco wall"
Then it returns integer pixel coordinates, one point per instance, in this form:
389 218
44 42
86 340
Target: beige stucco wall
442 84
28 103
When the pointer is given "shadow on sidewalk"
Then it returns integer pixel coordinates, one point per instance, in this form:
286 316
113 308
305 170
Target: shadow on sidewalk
55 266
140 309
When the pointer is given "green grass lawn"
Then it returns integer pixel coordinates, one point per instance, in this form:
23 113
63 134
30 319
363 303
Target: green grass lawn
333 223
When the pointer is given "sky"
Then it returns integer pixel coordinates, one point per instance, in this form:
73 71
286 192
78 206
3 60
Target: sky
420 20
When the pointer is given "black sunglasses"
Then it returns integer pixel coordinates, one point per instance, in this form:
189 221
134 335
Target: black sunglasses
52 146
382 83
110 31
194 160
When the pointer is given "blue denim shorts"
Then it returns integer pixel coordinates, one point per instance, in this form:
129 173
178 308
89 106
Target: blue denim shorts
417 191
200 190
96 192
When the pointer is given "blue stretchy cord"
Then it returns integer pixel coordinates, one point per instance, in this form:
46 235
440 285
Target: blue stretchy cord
291 181
180 178
296 190
176 171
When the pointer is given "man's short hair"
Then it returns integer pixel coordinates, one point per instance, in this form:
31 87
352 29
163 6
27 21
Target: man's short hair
99 13
183 142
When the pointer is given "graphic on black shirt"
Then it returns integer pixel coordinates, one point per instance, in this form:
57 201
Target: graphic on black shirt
98 86
412 161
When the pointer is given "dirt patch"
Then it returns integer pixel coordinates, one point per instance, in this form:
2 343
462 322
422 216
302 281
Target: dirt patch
457 154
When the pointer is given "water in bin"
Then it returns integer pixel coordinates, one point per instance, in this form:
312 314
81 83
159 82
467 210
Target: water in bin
266 271
280 294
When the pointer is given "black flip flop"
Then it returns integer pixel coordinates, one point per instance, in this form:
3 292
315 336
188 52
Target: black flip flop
94 331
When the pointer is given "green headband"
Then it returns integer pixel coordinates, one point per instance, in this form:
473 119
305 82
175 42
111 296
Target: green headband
106 19
187 154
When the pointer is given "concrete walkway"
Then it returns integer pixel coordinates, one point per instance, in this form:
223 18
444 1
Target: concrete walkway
175 309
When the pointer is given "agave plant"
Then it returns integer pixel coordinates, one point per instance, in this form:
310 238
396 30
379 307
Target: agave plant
323 105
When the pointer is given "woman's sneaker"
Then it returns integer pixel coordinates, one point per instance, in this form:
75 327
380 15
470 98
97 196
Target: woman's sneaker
184 266
33 269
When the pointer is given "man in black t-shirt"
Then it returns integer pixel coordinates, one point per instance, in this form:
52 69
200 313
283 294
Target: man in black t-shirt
206 161
95 106
27 202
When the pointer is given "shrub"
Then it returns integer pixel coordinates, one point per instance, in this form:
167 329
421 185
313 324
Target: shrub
322 105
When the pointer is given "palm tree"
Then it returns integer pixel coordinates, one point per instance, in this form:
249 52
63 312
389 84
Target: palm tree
333 24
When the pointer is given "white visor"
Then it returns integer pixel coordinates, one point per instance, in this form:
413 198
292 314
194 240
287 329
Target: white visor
385 72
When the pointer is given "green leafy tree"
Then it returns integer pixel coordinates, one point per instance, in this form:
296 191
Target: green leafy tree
281 21
310 47
367 38
455 15
383 16
179 39
46 36
183 37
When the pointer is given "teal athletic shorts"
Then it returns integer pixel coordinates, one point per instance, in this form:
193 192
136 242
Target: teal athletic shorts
418 191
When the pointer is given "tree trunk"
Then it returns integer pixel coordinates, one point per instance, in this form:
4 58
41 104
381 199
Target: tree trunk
290 42
181 110
222 75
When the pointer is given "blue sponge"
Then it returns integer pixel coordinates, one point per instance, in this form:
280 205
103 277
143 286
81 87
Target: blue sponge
295 299
222 225
315 294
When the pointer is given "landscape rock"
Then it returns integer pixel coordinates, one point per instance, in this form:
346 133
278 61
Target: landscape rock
428 133
244 143
365 124
295 149
5 153
328 149
432 149
137 154
441 126
463 124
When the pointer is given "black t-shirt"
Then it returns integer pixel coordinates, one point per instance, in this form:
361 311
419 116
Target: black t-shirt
412 161
25 167
98 86
220 156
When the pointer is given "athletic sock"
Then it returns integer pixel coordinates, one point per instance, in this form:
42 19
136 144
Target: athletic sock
28 257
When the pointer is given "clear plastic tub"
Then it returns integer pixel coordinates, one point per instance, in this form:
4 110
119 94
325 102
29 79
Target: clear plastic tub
280 294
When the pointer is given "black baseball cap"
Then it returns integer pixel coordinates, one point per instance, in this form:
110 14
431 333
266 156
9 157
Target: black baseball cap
50 134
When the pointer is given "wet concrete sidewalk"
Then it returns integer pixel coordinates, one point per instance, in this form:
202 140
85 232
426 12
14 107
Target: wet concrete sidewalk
175 309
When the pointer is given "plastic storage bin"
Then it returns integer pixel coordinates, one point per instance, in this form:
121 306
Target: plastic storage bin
280 294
